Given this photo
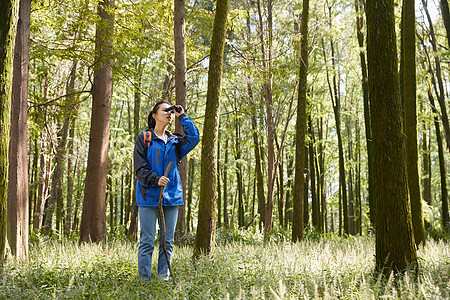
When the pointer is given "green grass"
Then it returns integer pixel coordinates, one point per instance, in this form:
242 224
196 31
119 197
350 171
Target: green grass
330 269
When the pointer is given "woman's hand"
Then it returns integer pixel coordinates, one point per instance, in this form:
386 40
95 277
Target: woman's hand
177 114
163 180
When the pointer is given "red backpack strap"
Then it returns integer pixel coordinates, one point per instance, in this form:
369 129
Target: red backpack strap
147 138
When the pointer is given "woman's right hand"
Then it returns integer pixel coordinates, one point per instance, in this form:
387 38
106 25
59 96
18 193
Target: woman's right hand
163 180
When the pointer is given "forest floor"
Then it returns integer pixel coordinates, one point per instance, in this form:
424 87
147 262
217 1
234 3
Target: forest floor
312 269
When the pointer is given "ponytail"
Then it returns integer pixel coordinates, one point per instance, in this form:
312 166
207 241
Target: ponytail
151 121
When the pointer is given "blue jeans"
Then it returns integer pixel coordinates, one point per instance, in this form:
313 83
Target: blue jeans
147 218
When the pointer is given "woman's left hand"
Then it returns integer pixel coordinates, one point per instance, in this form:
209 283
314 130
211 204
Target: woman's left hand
177 114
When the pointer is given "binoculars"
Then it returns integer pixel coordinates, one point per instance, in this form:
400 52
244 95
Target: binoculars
173 107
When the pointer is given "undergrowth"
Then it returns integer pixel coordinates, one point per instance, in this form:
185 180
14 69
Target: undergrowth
331 268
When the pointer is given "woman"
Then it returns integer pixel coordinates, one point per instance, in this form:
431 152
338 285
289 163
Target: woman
154 149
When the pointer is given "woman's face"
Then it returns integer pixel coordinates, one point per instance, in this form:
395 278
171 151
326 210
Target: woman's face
161 117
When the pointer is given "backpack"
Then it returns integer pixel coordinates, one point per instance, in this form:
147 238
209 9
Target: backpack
148 142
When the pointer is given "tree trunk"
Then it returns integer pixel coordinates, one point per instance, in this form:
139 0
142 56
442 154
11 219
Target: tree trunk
289 187
410 118
280 188
132 229
321 177
359 4
93 222
55 200
426 165
256 148
446 17
394 241
219 191
206 229
239 176
70 173
267 94
351 199
18 213
225 189
315 208
441 94
358 203
180 94
306 188
300 131
8 15
442 171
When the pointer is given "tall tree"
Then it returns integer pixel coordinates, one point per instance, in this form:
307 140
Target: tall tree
300 131
268 95
18 213
206 229
132 229
181 92
55 200
441 94
359 5
444 192
394 239
410 117
8 16
336 102
93 222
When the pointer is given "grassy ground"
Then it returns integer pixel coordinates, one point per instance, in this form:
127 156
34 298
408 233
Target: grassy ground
339 268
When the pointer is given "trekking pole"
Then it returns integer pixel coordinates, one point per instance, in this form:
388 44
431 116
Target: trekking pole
163 223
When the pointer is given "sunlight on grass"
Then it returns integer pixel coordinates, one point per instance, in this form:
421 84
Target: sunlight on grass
340 268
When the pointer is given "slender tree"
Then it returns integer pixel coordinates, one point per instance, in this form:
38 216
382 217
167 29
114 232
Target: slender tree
180 93
359 5
442 171
18 212
93 222
8 16
300 133
394 243
441 94
410 117
206 229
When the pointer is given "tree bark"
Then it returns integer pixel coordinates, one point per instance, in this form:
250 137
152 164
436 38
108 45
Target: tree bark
206 229
93 222
410 118
18 212
180 95
394 239
300 130
8 16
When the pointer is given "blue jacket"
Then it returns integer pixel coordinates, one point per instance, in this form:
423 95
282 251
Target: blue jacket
150 164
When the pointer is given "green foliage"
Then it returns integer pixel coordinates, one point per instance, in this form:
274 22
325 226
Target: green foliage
337 268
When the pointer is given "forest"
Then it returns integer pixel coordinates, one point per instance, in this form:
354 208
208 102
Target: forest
321 171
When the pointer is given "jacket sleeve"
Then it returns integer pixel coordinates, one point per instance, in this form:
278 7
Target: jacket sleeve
191 137
141 169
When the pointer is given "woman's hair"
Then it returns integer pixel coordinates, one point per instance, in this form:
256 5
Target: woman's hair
151 120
